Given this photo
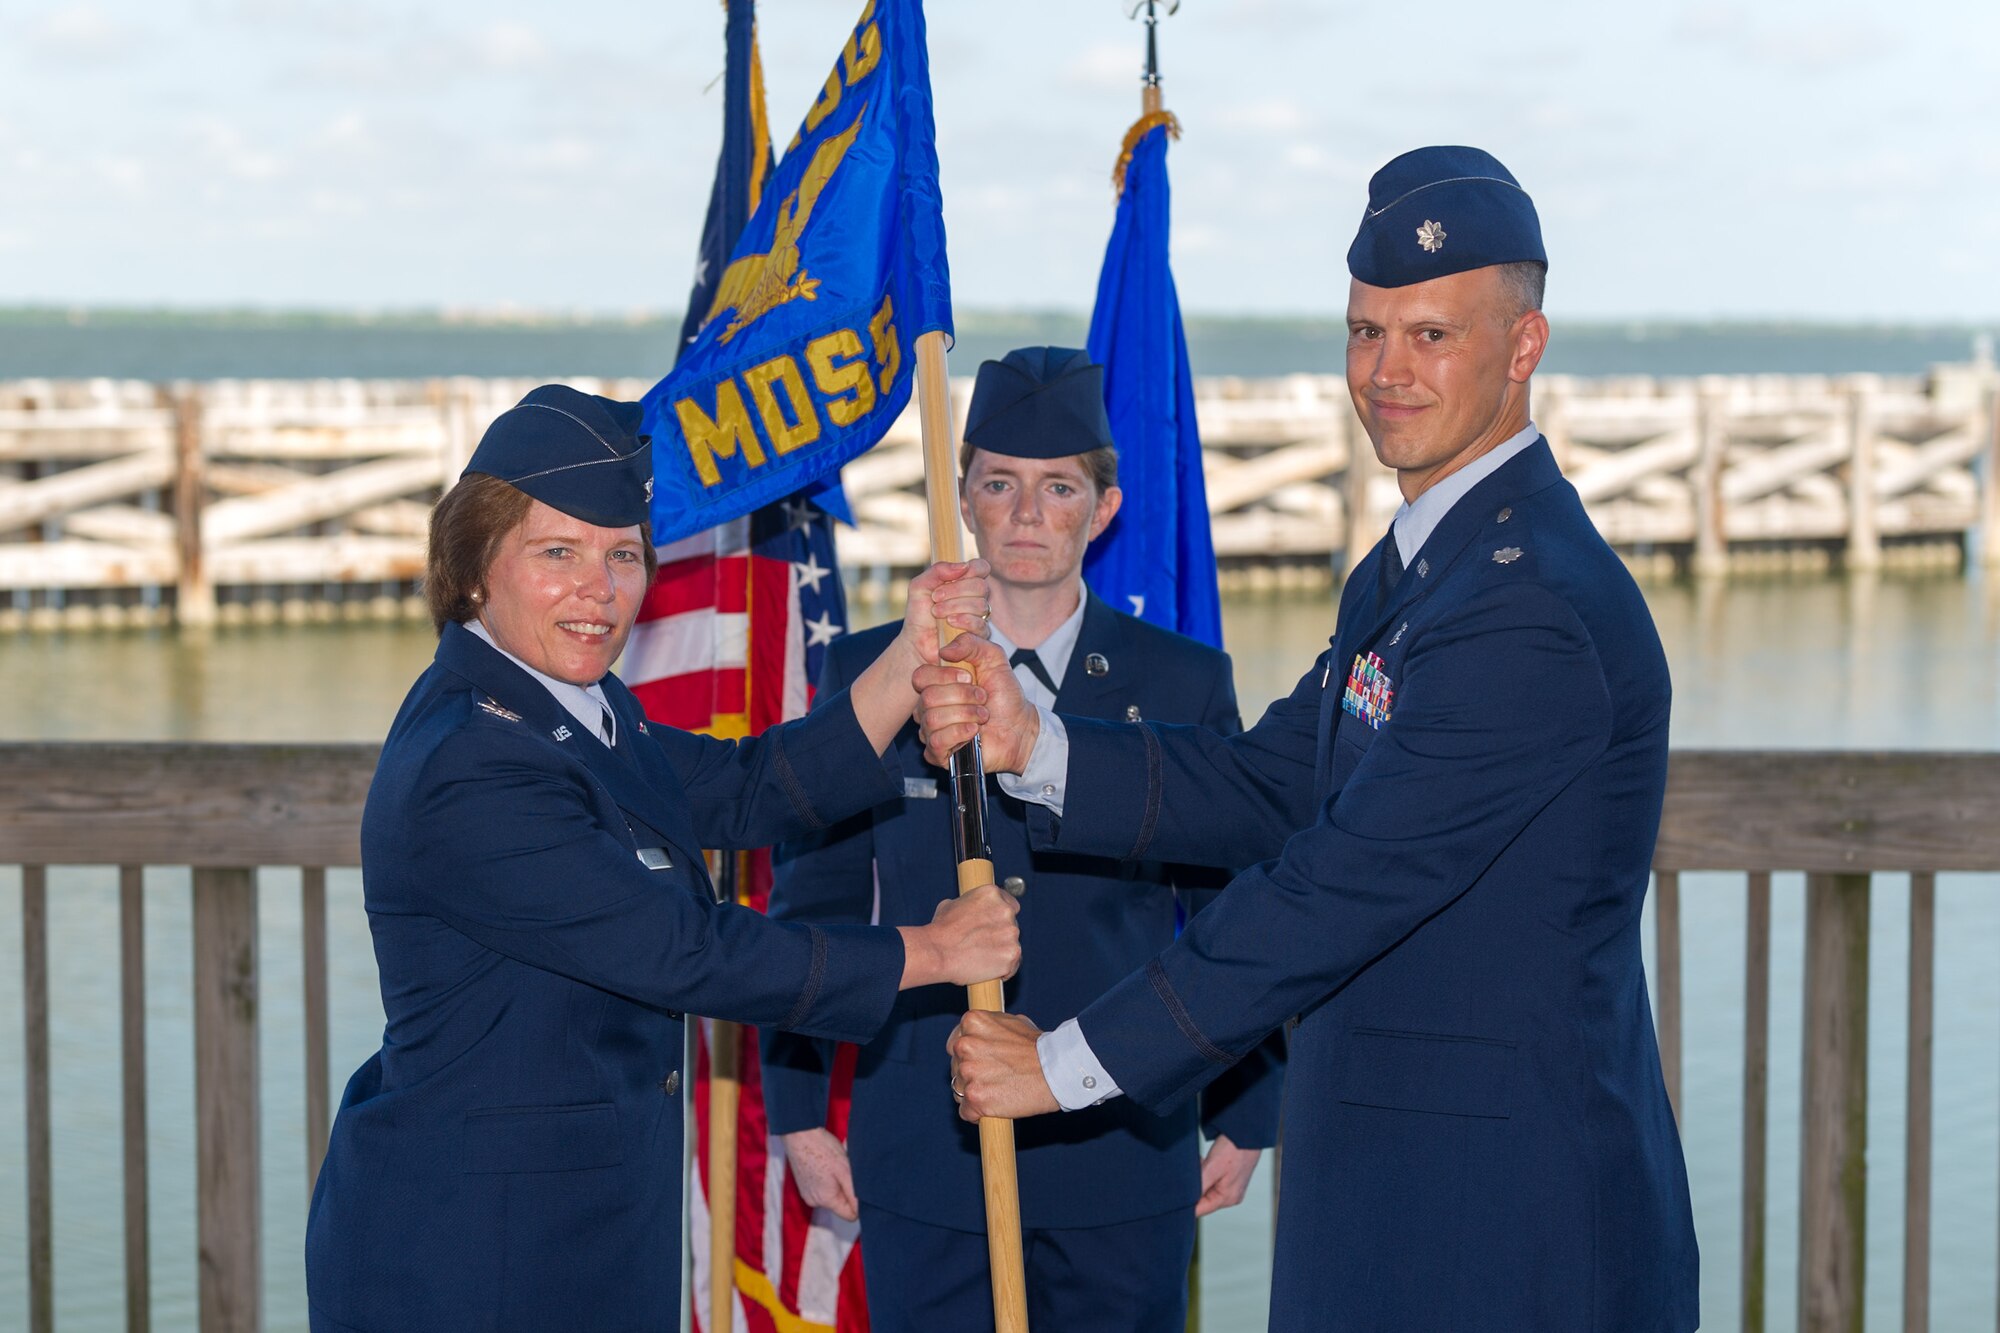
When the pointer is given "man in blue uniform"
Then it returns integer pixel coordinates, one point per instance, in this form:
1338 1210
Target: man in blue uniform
1108 1197
1455 813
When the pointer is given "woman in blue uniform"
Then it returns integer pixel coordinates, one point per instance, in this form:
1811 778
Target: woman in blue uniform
531 856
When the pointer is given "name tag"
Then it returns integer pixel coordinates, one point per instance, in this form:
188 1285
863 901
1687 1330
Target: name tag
920 789
655 858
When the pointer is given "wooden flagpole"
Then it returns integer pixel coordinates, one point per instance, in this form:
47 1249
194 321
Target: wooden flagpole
725 1096
975 861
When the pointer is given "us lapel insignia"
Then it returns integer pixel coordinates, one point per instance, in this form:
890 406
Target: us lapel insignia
1370 693
1423 569
561 733
504 714
1096 665
1506 555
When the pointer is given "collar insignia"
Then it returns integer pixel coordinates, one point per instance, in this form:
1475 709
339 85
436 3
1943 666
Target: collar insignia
1431 236
504 714
562 733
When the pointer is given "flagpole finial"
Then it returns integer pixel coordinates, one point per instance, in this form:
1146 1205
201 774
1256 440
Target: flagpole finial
1152 10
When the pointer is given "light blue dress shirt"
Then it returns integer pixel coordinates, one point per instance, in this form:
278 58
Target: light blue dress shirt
1072 1071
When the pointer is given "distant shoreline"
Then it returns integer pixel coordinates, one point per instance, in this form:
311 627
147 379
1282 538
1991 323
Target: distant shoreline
167 343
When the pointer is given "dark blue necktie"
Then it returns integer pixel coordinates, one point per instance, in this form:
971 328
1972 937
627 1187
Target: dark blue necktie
1392 563
1026 657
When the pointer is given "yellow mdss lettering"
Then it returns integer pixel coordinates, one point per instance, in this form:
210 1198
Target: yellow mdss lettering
846 373
849 373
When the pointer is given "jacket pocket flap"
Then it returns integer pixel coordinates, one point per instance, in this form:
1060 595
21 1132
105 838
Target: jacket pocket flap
1426 1071
540 1138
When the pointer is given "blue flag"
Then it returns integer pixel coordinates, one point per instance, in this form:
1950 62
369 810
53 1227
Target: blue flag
1156 559
807 354
741 167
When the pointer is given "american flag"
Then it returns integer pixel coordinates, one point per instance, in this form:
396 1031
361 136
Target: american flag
729 640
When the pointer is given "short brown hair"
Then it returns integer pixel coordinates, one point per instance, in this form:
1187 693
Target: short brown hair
467 527
1100 465
1525 282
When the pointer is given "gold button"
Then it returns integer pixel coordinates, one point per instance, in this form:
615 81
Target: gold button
671 1084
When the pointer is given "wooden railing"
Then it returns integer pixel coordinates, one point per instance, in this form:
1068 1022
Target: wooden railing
225 810
122 500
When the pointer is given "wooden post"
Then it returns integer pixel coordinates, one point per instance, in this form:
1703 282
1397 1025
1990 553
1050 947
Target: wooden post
1833 1165
1711 537
996 1136
132 1021
194 596
1551 413
319 1098
1364 526
228 1119
1667 960
1989 486
1917 1121
725 1097
1756 1093
1864 538
35 1058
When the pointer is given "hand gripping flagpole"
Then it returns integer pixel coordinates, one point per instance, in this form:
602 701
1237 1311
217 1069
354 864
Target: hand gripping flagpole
975 860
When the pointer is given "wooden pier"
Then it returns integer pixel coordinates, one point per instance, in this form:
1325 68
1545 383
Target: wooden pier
226 810
124 502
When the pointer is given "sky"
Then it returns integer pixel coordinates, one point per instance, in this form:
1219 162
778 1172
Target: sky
1788 159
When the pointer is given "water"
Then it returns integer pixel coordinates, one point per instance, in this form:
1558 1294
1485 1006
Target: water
1755 665
168 346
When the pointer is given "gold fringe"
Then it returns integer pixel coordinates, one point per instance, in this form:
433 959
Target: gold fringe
1141 127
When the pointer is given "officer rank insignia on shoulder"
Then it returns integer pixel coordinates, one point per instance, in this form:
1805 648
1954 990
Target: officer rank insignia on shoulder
1370 692
504 714
1506 555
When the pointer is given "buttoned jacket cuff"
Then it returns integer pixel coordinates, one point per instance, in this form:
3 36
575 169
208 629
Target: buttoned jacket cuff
1045 777
1072 1072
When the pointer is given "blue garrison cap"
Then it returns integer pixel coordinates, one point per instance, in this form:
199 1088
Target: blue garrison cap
575 452
1039 402
1437 211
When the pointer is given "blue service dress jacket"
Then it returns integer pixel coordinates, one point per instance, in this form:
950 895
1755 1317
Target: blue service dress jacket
511 1158
1455 812
1085 922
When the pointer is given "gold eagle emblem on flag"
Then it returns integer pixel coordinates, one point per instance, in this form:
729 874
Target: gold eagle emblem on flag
755 285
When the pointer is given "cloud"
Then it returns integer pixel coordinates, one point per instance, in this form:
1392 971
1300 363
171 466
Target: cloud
508 45
1266 115
82 33
126 175
1823 44
1105 67
559 154
228 149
